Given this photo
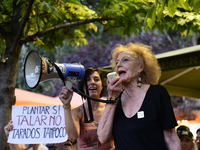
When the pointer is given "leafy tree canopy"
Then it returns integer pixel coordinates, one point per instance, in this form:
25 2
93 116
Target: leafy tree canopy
73 17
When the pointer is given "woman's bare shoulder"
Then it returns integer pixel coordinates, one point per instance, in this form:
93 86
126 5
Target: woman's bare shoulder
77 111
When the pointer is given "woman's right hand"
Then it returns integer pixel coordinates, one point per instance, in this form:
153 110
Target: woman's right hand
9 127
114 87
65 96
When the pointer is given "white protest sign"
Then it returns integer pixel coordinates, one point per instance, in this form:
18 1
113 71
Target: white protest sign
34 124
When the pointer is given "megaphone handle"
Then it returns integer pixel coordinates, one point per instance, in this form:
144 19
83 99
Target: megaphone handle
69 82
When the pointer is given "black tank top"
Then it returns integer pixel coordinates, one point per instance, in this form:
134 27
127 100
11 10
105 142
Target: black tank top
144 131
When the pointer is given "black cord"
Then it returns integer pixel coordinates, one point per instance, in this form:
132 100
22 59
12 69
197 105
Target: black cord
59 72
76 90
83 96
89 105
94 99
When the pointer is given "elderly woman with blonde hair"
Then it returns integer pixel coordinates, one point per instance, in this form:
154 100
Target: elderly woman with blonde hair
142 117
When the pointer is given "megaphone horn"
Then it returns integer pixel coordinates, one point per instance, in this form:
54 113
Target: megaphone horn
38 69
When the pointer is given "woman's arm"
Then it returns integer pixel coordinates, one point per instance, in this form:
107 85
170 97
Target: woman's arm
105 126
172 140
72 118
72 123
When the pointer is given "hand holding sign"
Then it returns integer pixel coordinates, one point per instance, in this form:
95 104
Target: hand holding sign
8 128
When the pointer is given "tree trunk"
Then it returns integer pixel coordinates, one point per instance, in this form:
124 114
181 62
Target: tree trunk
8 73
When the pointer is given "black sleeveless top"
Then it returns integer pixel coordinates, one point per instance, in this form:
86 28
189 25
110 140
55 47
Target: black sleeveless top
144 131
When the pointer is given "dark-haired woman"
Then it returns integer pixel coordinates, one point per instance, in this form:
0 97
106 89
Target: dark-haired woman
85 134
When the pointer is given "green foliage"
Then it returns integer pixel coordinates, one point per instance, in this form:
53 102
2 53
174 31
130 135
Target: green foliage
195 4
48 14
50 22
151 16
129 16
177 14
45 18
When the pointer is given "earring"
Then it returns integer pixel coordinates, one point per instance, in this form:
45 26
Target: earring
139 80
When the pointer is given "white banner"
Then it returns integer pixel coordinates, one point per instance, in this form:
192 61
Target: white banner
35 124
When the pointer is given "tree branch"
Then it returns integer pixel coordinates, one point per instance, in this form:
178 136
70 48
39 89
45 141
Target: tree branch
66 25
21 28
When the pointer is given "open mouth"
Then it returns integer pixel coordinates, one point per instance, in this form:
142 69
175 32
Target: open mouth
121 73
92 89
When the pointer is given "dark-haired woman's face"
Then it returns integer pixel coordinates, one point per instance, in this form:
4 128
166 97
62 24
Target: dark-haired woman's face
94 85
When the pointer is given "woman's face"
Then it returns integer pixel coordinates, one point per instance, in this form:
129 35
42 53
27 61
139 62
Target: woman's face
94 85
127 66
186 144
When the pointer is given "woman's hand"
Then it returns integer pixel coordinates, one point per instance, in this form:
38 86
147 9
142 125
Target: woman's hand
65 96
9 127
114 88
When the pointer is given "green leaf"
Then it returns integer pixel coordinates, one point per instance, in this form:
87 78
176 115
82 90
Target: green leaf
178 13
190 18
195 4
181 21
43 7
183 4
171 8
160 8
151 17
